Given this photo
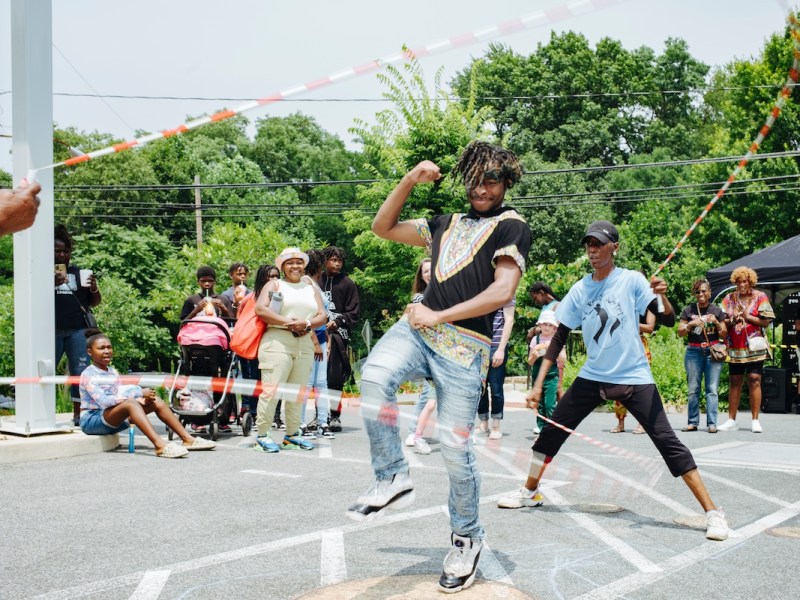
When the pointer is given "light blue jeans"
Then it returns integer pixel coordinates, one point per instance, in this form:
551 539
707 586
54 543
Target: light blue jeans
698 365
319 381
401 355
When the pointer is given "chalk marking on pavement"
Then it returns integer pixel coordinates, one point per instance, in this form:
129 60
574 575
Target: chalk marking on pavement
661 498
624 550
332 565
746 489
203 562
151 585
491 569
272 473
695 556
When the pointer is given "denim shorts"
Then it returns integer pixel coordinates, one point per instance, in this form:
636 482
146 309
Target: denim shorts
93 423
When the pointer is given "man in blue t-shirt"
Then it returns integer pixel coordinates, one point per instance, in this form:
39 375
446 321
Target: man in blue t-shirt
606 305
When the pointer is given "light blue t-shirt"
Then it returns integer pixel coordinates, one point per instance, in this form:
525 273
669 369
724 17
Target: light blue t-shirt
608 313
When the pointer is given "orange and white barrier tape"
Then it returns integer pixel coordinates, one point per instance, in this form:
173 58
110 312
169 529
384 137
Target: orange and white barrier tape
783 97
537 19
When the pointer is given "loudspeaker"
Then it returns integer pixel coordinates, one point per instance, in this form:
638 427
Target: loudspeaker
773 391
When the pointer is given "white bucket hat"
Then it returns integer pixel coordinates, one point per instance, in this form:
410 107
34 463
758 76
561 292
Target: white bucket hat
547 316
291 252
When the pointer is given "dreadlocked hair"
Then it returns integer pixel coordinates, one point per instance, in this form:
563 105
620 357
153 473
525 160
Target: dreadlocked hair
480 158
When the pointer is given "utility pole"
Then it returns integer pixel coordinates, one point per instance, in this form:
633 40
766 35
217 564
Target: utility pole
198 212
34 301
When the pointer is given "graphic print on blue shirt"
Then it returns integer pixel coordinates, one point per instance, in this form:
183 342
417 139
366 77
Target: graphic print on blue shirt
608 313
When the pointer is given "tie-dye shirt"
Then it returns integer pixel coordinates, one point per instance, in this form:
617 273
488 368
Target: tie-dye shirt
101 389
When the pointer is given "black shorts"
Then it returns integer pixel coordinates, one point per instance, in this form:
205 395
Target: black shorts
755 368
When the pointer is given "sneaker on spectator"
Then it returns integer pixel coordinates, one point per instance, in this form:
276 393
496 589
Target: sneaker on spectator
421 446
224 428
307 432
295 442
335 424
325 431
716 525
729 425
314 425
410 440
755 427
460 564
385 494
264 443
520 498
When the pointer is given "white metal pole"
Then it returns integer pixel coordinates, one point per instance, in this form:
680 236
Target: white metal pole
32 146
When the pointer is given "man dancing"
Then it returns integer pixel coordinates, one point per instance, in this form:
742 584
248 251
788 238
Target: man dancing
478 260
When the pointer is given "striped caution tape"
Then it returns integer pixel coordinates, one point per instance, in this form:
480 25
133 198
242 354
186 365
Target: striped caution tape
610 448
783 97
247 387
545 17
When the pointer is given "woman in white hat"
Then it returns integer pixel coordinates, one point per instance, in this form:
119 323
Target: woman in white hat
286 352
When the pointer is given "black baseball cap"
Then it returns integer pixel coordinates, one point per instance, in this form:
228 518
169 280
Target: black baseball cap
603 231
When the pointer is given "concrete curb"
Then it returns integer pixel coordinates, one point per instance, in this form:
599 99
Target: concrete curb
19 449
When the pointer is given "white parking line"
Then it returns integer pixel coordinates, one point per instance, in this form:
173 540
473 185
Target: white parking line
332 565
661 498
151 585
624 550
272 473
746 489
695 556
491 569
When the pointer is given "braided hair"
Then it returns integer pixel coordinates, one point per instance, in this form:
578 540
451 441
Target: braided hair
482 160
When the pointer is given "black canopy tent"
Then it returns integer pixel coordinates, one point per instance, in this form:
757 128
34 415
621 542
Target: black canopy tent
777 267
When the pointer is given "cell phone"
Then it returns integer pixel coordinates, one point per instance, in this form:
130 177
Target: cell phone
60 268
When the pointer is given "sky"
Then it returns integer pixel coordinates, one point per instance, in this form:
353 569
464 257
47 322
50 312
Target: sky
246 49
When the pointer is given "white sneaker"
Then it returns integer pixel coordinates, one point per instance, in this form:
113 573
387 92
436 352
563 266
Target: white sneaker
410 440
755 427
421 446
729 425
521 497
495 434
716 525
385 494
460 564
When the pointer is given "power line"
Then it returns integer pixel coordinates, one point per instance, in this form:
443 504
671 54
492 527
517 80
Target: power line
631 93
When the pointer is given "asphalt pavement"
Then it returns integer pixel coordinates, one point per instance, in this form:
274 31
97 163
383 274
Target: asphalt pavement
236 523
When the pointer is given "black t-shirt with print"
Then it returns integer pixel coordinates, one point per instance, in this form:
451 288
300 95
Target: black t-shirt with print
69 316
463 252
695 335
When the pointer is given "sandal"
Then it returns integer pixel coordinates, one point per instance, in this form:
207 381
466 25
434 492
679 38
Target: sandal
172 450
618 429
199 443
690 428
639 430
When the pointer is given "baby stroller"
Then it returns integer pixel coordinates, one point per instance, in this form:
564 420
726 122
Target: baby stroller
204 343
